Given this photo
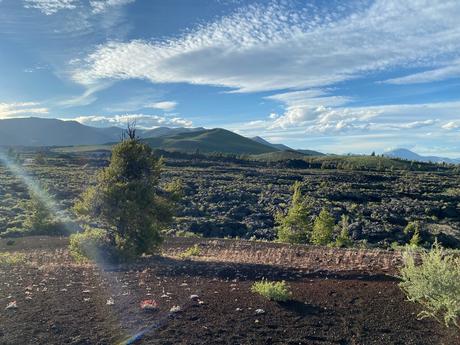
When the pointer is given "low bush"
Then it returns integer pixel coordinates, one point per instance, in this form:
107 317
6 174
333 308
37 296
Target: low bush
434 283
11 258
274 291
192 251
92 244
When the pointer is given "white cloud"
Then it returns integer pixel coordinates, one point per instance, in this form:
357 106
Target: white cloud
49 7
99 6
87 97
164 105
142 120
276 47
20 109
442 73
451 125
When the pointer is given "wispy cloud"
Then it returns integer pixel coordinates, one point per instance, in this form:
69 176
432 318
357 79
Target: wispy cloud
19 109
49 7
100 6
142 120
447 72
276 46
164 105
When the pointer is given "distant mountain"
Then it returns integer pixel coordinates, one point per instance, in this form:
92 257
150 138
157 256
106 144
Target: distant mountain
409 155
34 131
166 131
210 140
261 140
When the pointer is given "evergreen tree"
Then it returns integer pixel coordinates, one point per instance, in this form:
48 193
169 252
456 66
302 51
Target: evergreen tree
41 219
323 228
295 226
125 199
344 240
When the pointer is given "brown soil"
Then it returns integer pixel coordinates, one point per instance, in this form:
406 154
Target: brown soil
60 302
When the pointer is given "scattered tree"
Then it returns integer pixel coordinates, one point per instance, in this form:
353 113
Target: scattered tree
126 199
323 228
344 240
295 226
41 219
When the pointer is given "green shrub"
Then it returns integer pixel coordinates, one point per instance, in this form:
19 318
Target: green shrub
411 228
92 244
323 228
41 219
192 251
11 258
434 283
274 291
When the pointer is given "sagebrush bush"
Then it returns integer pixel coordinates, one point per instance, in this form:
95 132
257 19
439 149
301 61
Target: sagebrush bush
434 283
274 291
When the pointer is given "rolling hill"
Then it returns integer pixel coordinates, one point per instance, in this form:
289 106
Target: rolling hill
210 140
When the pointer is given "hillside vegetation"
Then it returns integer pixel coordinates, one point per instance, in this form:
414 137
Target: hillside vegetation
207 141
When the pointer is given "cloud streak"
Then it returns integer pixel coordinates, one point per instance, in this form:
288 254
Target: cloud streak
50 7
142 120
21 109
273 47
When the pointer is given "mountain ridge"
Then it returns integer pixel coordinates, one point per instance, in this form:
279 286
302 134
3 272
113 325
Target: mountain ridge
403 153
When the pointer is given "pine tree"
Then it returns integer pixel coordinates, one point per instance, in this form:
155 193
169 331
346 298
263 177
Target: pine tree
343 240
41 218
295 226
125 199
323 228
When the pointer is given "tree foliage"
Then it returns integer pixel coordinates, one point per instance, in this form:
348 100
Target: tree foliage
295 226
343 239
323 228
41 219
126 199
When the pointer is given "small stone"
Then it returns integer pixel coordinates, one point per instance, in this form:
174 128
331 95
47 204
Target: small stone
110 301
194 297
175 309
260 311
12 305
238 309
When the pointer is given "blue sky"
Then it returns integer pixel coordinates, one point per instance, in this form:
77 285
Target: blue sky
336 76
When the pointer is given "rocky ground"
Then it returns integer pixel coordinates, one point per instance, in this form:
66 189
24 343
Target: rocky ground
225 199
60 302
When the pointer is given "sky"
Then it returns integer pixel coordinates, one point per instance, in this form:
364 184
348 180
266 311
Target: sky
334 76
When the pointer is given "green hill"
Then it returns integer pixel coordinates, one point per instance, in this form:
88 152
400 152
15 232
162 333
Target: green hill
207 141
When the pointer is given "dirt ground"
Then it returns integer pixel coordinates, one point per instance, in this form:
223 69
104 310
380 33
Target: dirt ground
60 302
